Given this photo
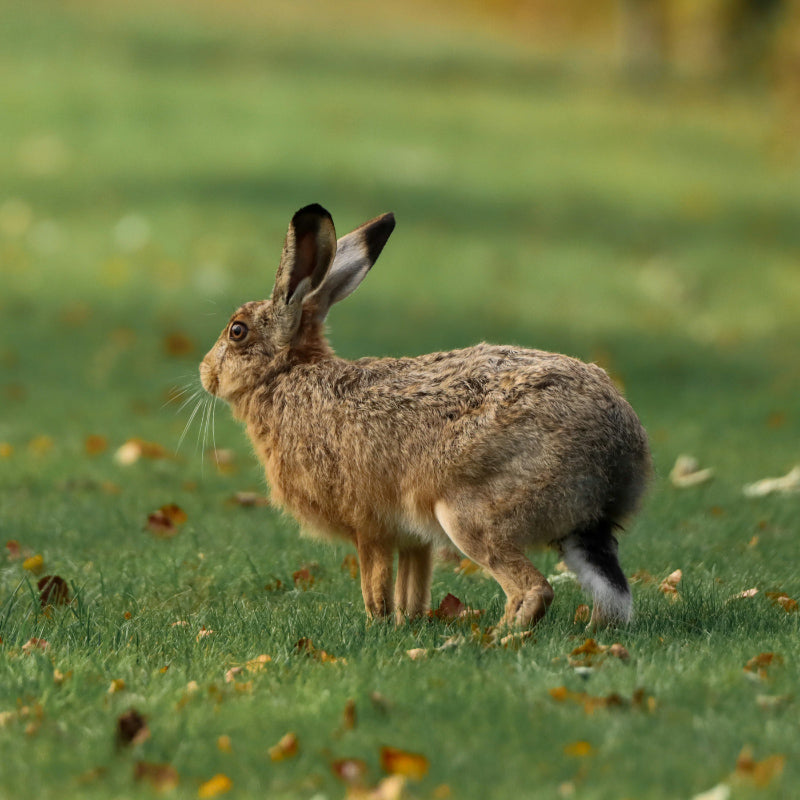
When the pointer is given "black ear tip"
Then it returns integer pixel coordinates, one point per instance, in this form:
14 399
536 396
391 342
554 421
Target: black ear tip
313 210
378 233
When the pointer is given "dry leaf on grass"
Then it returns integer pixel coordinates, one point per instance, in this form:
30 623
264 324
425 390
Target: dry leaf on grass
53 591
249 500
783 485
467 567
162 777
452 608
760 773
287 747
669 586
391 788
306 647
758 665
303 578
33 644
224 744
34 564
687 473
164 522
132 728
117 685
95 445
783 600
400 762
745 595
582 614
592 703
579 749
349 715
591 653
134 449
417 653
213 787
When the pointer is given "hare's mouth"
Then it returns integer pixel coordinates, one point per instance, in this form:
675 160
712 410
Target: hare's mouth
209 380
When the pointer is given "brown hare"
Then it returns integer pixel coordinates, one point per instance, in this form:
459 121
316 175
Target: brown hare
490 448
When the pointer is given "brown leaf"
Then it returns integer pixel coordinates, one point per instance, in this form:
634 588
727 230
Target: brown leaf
95 445
306 646
178 344
669 586
165 522
53 591
274 585
450 608
134 449
349 717
400 762
760 773
579 749
587 654
589 702
350 770
582 614
350 564
132 728
34 644
417 653
619 651
303 579
783 600
286 748
760 663
642 576
162 777
13 550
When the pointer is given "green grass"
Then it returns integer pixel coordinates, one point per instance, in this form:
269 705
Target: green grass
538 202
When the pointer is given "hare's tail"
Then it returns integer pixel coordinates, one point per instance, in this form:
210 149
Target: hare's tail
591 553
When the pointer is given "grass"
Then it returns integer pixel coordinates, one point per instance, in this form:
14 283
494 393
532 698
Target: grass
152 159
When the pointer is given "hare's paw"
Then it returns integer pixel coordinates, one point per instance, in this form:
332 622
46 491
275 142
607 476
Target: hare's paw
525 610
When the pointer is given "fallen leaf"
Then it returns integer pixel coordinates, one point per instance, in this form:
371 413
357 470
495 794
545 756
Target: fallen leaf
219 784
745 595
53 591
619 651
6 450
165 522
117 685
40 445
350 564
582 614
60 678
390 788
274 586
286 748
258 663
783 485
401 762
686 473
132 728
350 770
642 576
669 586
587 654
34 564
13 550
303 579
203 633
760 773
592 703
306 646
224 744
452 608
162 777
759 664
579 749
349 717
417 653
178 344
34 644
783 600
95 445
134 449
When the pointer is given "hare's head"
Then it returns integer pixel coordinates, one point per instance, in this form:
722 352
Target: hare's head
266 337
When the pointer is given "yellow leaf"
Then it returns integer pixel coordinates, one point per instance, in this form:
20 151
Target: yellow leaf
34 564
579 749
163 777
217 785
400 762
760 773
224 744
286 748
117 685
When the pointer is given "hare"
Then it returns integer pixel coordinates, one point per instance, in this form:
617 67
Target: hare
490 448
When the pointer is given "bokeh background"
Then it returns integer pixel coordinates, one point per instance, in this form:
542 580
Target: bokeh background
614 179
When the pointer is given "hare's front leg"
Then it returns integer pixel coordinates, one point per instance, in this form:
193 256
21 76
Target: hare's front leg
469 526
375 557
412 590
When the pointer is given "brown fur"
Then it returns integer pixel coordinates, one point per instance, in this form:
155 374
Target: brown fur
494 448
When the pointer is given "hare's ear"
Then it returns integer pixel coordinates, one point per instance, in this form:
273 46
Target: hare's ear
356 252
307 254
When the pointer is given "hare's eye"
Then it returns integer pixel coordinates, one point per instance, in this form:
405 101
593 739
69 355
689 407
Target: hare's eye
237 331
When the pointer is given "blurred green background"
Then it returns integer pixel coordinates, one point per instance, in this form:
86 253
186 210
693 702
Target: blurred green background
619 181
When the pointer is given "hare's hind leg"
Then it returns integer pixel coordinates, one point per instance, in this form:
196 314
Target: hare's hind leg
412 591
591 553
375 557
528 594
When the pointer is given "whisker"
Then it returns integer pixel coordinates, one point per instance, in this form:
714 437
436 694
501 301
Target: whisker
189 424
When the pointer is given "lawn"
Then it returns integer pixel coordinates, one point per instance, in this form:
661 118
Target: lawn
152 157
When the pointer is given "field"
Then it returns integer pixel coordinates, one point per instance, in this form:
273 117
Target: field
152 157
